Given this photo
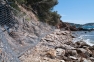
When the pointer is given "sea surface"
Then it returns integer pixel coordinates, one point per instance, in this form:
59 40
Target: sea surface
86 36
88 27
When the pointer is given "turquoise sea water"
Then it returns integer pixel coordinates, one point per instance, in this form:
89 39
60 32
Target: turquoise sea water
86 36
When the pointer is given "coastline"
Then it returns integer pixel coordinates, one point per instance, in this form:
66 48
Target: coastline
58 47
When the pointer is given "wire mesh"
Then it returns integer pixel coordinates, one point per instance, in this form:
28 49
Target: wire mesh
7 20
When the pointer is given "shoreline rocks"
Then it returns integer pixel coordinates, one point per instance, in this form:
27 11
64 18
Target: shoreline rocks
56 47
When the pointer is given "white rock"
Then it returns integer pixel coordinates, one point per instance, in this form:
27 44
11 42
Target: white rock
74 58
62 61
91 58
57 30
85 60
60 51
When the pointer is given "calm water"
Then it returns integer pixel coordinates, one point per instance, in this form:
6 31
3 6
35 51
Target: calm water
86 36
88 27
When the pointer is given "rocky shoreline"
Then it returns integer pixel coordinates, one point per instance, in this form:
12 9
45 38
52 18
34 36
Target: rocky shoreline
58 47
72 27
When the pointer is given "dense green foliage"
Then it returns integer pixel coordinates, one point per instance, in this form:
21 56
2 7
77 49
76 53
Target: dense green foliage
43 8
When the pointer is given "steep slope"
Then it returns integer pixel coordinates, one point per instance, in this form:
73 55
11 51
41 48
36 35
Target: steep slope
24 35
28 33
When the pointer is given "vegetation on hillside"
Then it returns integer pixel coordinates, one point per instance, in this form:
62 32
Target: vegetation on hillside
43 9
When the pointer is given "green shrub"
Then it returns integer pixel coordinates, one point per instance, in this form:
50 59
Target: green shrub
43 8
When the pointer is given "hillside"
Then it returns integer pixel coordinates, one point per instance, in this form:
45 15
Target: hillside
26 36
92 24
77 25
88 26
20 32
43 9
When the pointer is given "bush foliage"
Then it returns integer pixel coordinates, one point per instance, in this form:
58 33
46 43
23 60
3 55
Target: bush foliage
43 8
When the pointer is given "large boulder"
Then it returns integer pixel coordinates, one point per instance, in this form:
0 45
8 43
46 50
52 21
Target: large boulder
81 44
51 53
60 51
71 53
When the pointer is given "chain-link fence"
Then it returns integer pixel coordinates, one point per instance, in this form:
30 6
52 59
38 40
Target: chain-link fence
7 20
7 55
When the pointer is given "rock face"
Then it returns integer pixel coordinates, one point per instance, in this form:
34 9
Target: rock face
73 27
26 34
56 47
67 26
